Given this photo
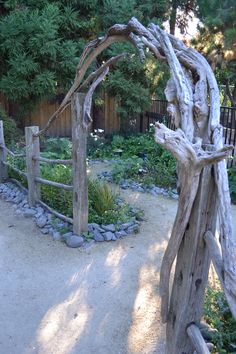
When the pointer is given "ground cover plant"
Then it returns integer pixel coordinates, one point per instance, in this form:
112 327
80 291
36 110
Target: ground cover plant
141 159
217 314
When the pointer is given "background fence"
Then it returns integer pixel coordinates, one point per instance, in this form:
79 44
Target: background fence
158 112
33 159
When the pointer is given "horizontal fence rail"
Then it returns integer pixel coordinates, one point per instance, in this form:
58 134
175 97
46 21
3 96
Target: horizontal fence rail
32 174
33 159
53 184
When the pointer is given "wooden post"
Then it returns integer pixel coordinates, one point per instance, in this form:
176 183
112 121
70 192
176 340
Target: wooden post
192 268
32 164
80 183
3 155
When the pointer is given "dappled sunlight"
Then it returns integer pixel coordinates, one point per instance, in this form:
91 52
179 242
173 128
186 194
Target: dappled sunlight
64 324
113 260
77 276
114 256
144 315
156 248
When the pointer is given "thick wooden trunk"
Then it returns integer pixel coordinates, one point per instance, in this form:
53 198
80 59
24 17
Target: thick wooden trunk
3 155
192 268
80 183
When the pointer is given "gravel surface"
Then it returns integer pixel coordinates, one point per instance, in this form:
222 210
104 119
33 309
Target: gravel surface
102 299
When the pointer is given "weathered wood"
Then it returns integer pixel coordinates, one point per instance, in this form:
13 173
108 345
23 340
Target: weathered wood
15 169
51 210
11 153
80 183
53 184
197 340
191 272
3 168
53 161
215 254
54 212
32 165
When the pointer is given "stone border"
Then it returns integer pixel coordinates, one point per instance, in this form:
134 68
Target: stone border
139 187
52 226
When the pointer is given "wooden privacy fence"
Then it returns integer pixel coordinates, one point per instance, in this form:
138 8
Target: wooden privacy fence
33 160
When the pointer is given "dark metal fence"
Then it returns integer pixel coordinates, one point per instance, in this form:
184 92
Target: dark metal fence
158 112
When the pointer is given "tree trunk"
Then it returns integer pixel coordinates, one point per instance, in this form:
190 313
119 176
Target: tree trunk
172 21
192 268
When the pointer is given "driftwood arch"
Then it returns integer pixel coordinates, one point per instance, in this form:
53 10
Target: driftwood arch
202 177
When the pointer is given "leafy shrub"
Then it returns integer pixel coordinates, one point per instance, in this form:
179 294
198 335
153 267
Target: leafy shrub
217 314
11 132
103 207
142 160
57 148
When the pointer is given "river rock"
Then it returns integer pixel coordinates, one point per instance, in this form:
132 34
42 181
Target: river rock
74 241
41 221
110 227
98 237
108 236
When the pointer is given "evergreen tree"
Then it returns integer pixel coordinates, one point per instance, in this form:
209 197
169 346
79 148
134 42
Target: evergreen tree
41 42
217 40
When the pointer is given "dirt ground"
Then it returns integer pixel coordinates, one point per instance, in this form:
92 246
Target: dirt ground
103 300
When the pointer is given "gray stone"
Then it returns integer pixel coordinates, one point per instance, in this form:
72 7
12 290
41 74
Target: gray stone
110 227
67 234
45 231
114 237
41 221
132 229
56 236
74 241
108 235
98 237
28 213
96 227
126 225
121 233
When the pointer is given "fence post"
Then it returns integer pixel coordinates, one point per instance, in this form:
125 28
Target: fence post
3 155
80 183
32 164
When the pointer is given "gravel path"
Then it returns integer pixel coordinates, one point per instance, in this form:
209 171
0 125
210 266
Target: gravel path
103 300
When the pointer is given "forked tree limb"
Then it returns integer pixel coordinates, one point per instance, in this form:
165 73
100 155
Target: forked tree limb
87 120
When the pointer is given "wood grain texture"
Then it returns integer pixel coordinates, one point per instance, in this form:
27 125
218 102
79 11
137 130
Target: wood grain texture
32 165
79 153
3 155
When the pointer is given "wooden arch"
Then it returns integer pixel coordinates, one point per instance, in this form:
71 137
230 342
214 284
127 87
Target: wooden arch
202 177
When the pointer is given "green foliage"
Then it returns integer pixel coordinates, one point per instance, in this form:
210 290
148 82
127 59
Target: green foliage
103 206
142 160
57 148
232 183
41 42
217 314
11 133
217 40
39 55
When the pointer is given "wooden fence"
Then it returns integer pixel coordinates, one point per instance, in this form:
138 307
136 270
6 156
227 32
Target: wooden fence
34 159
104 116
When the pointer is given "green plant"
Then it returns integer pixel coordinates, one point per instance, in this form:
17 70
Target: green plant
57 148
217 314
232 183
11 133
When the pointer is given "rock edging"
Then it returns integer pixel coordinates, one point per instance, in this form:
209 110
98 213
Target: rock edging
60 230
